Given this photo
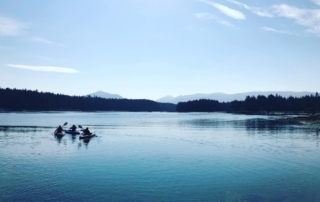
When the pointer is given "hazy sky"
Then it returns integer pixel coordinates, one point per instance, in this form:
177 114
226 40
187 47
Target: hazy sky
153 48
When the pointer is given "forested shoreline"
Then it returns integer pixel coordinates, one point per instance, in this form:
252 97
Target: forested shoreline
256 105
28 100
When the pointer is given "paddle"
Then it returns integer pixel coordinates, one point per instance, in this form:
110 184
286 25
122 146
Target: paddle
80 127
65 124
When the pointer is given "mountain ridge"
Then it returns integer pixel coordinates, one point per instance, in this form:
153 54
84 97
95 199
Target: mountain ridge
106 95
224 97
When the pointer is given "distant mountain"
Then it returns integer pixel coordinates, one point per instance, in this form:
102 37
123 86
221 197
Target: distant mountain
166 99
105 95
223 97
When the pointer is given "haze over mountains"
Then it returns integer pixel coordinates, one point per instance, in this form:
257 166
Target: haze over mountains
223 97
106 95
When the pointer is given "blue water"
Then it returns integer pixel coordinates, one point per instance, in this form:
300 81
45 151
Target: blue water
158 157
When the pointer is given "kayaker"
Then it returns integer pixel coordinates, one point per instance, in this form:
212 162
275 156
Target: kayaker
86 131
73 127
59 129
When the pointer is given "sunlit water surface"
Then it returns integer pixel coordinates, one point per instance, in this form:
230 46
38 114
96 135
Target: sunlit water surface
158 157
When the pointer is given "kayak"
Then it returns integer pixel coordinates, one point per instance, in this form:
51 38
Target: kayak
58 134
83 136
72 132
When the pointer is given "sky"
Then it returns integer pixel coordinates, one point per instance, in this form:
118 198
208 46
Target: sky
148 49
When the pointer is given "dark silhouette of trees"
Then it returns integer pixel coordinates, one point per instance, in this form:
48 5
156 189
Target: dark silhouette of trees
203 105
253 105
18 100
308 104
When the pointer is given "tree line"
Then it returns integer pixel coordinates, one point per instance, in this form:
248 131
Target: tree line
29 100
22 99
252 105
203 105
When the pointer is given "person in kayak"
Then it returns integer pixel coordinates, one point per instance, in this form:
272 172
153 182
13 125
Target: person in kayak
59 130
73 127
86 131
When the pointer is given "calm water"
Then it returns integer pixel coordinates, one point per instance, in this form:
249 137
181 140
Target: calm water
158 157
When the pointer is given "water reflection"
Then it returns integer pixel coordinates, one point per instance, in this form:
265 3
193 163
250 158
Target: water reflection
84 142
58 138
262 125
22 129
256 125
73 138
203 123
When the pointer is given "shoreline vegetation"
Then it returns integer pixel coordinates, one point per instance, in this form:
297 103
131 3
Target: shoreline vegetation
28 100
292 110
